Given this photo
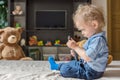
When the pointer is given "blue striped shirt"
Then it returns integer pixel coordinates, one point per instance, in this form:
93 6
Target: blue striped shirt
96 48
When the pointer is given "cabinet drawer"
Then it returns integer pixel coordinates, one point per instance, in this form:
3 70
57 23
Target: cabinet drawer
49 50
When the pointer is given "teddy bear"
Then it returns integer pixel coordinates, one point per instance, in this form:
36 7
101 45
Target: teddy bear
81 43
9 48
18 10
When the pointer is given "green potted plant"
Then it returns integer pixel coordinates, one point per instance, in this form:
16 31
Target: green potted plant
3 13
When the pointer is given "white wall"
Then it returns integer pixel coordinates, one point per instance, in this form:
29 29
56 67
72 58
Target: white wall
103 5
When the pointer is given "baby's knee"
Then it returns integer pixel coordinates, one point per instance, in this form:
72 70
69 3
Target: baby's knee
64 70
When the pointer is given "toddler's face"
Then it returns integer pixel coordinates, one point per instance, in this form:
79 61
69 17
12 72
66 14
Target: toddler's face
87 30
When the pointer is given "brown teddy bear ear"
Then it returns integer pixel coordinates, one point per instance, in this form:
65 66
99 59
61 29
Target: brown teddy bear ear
1 31
20 30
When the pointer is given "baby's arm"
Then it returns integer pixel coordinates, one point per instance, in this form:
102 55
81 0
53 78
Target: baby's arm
72 53
80 51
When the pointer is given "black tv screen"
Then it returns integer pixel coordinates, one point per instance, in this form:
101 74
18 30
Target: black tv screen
51 19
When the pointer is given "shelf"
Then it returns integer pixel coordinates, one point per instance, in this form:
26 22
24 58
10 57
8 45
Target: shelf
28 21
56 52
17 15
21 19
46 46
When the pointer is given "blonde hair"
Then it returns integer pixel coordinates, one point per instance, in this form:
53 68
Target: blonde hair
89 13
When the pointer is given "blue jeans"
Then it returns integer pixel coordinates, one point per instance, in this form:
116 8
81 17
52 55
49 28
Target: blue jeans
76 69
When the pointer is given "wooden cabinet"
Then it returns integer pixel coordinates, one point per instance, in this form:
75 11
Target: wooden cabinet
61 53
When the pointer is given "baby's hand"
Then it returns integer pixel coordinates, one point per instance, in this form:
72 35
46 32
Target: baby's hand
72 44
72 53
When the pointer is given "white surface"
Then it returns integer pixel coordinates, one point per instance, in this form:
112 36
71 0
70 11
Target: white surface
103 5
39 70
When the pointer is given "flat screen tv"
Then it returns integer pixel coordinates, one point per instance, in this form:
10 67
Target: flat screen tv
51 19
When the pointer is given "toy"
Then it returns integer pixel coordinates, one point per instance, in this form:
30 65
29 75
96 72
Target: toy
57 42
49 43
110 58
33 40
77 38
22 42
10 50
40 43
17 25
81 43
18 10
